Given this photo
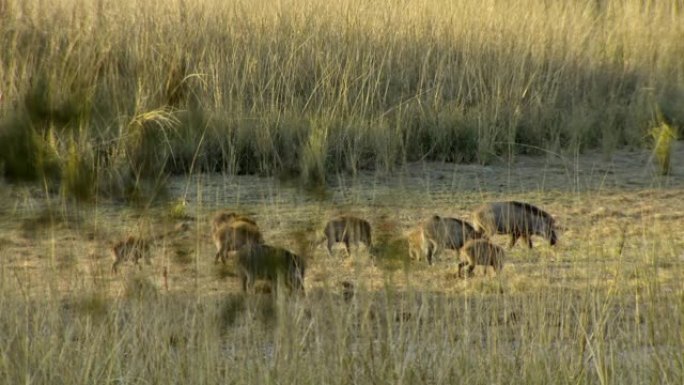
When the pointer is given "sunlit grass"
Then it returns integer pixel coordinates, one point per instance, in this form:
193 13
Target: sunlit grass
663 137
102 101
309 88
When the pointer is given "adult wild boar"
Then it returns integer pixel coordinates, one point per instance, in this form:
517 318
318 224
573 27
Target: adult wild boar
223 217
261 261
134 248
445 233
233 235
518 219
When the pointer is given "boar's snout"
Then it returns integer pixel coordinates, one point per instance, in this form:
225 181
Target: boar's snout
553 239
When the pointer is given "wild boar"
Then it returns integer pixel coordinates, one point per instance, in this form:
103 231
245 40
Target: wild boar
261 261
130 249
481 252
415 240
224 217
445 233
517 219
231 236
135 248
347 229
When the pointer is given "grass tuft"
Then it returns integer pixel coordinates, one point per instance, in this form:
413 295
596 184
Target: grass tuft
139 286
146 142
663 136
182 254
26 152
93 304
78 174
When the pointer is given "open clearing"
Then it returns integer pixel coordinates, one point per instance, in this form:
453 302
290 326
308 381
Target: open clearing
600 203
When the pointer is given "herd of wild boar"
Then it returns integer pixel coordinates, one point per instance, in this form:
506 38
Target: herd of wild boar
239 238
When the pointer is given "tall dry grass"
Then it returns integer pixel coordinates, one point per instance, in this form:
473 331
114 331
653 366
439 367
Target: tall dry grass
557 335
606 306
310 87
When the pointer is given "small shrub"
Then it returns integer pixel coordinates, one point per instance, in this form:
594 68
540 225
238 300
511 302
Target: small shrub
146 142
254 308
78 174
663 136
392 255
230 309
26 153
93 304
313 160
140 287
182 255
177 210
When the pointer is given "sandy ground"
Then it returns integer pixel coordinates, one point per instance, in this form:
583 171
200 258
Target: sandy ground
620 220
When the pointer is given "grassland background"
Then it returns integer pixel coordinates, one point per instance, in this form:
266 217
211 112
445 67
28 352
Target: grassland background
102 97
107 93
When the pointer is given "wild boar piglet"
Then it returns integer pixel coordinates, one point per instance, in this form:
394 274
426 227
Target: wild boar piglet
349 230
481 252
440 233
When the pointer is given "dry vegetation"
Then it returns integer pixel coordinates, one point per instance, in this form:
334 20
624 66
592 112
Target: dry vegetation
382 101
606 305
107 97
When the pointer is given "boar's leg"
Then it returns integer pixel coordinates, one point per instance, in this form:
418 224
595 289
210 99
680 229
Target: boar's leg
471 270
514 238
431 252
330 246
244 283
223 255
346 245
460 267
528 238
247 282
368 244
297 284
